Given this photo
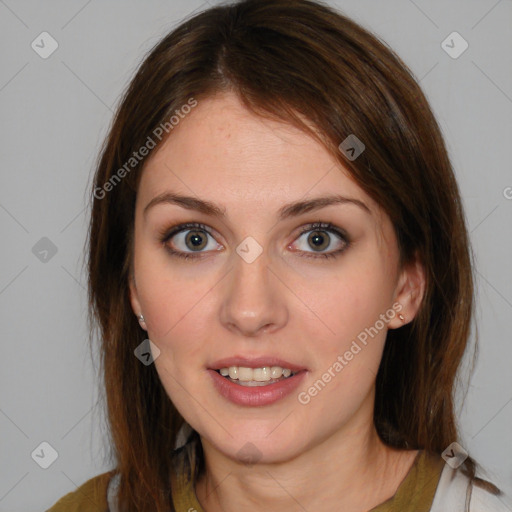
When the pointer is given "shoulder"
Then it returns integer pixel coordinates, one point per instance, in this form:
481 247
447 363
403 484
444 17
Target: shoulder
452 493
91 495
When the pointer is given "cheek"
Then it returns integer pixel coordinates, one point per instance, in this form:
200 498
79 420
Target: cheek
348 332
180 315
348 301
170 295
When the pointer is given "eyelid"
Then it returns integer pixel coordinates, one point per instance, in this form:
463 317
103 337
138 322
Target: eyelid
324 226
167 233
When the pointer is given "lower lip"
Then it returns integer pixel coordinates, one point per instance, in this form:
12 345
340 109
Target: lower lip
256 395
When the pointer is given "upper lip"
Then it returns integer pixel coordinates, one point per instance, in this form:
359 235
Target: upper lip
255 362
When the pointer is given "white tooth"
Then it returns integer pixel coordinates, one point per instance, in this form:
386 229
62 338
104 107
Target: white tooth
261 374
244 373
276 372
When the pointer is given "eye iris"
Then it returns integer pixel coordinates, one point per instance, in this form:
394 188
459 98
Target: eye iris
197 239
319 239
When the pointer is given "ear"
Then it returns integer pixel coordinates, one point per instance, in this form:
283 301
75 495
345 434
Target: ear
409 293
134 300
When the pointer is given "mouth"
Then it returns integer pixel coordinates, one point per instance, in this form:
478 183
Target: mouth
256 381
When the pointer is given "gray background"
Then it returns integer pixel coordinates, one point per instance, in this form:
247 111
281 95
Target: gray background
54 115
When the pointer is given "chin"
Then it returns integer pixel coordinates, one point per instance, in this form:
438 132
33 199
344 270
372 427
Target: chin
258 447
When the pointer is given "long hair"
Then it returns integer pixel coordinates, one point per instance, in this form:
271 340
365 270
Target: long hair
304 63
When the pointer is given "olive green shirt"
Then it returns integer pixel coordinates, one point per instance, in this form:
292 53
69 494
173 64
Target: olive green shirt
414 494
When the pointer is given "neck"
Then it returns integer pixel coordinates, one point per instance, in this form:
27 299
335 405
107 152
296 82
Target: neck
352 471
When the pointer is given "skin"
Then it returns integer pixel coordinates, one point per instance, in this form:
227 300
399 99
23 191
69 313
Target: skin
306 310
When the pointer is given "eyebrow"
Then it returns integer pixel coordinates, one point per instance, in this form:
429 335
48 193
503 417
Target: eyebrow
288 210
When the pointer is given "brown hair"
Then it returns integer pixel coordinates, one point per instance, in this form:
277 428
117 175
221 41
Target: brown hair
289 60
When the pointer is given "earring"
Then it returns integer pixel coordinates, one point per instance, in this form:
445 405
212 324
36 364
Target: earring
141 318
402 317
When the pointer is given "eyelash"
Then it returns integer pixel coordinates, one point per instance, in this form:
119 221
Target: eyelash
166 235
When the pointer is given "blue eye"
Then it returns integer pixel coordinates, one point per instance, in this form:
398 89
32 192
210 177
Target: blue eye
193 238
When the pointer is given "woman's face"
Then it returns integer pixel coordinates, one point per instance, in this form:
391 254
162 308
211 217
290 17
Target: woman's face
257 290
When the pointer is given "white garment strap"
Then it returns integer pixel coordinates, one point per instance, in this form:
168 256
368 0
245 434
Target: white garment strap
451 491
451 495
112 493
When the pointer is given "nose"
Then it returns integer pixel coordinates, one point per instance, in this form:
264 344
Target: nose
253 301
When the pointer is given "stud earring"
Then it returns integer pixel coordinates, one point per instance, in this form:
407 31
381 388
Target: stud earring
402 317
141 318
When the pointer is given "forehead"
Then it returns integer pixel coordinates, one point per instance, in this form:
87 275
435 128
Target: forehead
223 152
